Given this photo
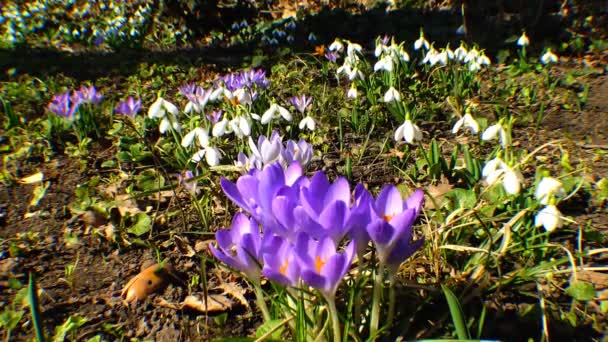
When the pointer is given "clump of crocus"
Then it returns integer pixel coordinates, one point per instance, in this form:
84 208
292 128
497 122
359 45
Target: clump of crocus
62 106
130 107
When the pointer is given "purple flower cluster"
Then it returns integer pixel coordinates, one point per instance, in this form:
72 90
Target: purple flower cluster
269 150
66 104
245 79
303 222
130 107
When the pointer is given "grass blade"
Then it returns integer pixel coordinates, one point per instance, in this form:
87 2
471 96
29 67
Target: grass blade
457 315
35 309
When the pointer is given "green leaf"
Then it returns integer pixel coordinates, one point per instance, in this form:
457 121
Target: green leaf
9 319
70 325
581 290
457 315
39 193
462 198
143 224
267 327
32 292
108 163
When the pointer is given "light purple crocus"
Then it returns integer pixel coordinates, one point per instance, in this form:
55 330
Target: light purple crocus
300 152
241 246
267 150
197 97
322 266
215 116
248 163
301 103
331 56
280 262
391 229
87 95
130 107
62 106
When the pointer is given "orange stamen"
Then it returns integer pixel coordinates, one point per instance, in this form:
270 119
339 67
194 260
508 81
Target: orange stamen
319 263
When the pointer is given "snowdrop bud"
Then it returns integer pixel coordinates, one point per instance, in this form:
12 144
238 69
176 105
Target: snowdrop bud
523 40
493 132
352 92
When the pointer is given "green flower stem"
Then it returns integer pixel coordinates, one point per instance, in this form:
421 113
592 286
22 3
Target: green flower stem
391 299
376 298
259 296
335 321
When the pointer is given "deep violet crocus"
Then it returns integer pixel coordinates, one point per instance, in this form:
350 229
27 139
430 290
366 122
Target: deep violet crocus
130 107
241 246
391 229
280 262
87 95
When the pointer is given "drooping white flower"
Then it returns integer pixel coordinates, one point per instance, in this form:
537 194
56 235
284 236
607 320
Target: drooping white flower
353 48
392 95
512 181
198 133
385 63
467 121
355 73
460 53
493 170
409 132
549 217
219 128
471 55
547 187
420 42
307 122
482 59
211 154
548 57
167 112
461 30
523 40
431 57
275 111
336 46
352 92
493 132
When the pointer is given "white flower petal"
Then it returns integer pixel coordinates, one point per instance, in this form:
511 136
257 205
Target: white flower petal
188 138
512 181
170 107
212 156
165 124
198 156
219 128
284 113
549 217
156 109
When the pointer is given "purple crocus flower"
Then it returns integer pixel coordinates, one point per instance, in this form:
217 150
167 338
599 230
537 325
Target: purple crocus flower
300 152
257 77
130 107
267 150
391 230
60 105
322 267
331 56
361 215
241 246
87 95
197 97
254 192
301 103
186 181
215 116
248 163
280 262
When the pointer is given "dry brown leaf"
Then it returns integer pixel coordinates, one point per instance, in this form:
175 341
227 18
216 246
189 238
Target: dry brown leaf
183 246
127 205
146 282
235 291
435 193
214 303
600 280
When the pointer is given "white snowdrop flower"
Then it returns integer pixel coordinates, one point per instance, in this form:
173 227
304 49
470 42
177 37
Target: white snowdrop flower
307 122
312 37
336 46
255 116
385 63
235 128
198 133
352 92
211 154
353 48
483 59
219 128
275 111
474 66
354 74
191 107
548 57
467 121
546 187
420 42
471 56
160 107
216 93
344 69
549 217
493 132
492 171
380 48
442 57
401 54
512 181
409 132
392 95
460 53
244 125
523 40
431 57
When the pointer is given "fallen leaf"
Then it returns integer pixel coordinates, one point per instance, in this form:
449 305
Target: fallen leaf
235 291
435 194
127 205
31 179
214 303
600 280
146 282
183 246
